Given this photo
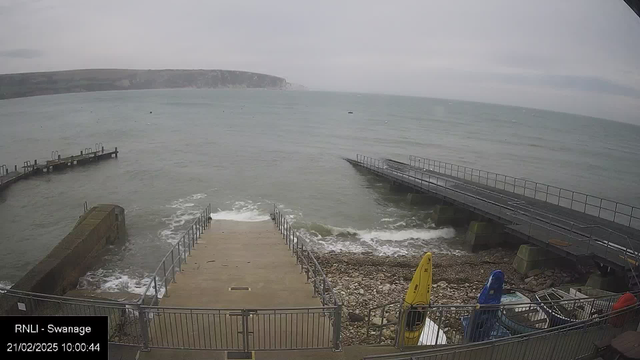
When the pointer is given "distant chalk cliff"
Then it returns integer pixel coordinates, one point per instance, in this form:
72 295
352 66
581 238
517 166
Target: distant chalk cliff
73 81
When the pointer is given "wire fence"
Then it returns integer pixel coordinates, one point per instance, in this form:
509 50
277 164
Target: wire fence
589 204
571 341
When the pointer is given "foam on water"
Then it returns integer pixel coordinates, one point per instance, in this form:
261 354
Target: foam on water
5 284
242 211
186 212
113 281
391 240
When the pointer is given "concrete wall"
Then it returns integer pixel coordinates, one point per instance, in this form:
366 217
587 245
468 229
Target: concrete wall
59 271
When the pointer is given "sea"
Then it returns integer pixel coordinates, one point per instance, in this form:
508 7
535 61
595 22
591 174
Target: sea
246 151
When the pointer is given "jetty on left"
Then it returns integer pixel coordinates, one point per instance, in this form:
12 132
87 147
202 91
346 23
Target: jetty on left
56 163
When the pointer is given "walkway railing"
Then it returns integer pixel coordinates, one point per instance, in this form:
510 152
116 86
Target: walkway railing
566 342
445 322
309 265
172 262
589 204
614 247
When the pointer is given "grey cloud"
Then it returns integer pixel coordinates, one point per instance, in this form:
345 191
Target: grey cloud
21 53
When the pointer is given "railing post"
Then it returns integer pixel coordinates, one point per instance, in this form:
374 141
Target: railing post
155 286
142 318
189 240
179 257
164 271
337 327
173 268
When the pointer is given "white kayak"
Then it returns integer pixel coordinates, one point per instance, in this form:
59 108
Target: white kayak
430 333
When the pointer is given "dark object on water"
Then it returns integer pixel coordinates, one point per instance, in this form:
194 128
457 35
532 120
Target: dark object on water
150 112
272 216
350 112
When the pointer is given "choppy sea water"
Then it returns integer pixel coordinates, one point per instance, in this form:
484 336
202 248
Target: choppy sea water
244 150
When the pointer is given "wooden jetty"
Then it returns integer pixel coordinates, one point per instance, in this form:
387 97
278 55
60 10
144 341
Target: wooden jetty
57 162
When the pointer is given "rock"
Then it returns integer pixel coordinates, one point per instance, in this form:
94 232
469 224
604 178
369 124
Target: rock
407 277
534 272
392 318
376 321
386 287
353 317
549 272
548 284
528 280
442 283
387 334
361 291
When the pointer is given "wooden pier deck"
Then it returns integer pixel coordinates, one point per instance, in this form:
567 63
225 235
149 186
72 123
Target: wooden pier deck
57 162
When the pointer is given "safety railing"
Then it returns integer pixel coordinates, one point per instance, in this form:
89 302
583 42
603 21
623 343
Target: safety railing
570 341
445 324
132 323
589 204
241 329
126 326
172 262
588 239
309 265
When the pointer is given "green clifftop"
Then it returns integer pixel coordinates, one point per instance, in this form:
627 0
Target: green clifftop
72 81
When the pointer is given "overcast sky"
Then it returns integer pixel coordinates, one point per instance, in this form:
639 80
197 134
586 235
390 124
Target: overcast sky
579 56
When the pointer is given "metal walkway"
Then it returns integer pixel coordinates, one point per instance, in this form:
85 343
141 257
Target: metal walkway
524 211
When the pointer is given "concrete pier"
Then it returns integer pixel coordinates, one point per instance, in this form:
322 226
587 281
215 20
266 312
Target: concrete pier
444 215
483 235
422 199
532 257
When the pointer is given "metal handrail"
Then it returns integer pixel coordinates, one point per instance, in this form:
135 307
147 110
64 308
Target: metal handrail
583 324
178 255
542 188
433 180
304 257
309 265
634 254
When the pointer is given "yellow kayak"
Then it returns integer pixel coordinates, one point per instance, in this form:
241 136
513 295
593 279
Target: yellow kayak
419 293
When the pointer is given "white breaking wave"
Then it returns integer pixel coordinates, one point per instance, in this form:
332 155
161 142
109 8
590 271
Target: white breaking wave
187 212
382 241
242 211
398 235
5 284
110 281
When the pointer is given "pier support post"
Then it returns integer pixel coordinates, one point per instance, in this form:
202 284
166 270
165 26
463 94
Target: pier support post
422 199
444 215
484 235
532 257
399 188
116 152
609 282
